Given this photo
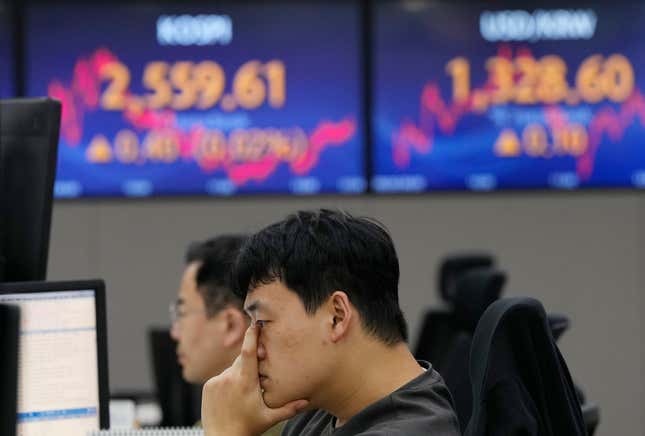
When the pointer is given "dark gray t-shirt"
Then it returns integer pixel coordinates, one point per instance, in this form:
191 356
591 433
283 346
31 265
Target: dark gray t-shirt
421 407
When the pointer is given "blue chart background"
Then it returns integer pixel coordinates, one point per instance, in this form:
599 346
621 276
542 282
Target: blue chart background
318 45
412 48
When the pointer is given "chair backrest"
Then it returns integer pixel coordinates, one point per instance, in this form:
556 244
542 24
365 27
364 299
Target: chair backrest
591 416
473 291
436 336
521 384
558 323
451 267
455 375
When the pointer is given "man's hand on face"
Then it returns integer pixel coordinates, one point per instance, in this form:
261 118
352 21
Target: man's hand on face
232 403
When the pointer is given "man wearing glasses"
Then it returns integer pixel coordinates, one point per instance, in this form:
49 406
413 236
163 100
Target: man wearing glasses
208 320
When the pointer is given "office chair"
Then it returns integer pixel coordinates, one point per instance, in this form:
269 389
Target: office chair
453 266
558 323
475 291
591 417
439 326
520 382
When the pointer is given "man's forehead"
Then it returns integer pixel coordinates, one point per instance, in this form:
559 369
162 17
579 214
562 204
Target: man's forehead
254 293
255 302
189 275
258 299
188 286
270 298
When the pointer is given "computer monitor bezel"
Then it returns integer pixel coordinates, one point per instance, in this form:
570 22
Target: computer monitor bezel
9 340
98 286
25 227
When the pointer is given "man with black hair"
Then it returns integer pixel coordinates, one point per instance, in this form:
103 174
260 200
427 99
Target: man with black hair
327 338
208 321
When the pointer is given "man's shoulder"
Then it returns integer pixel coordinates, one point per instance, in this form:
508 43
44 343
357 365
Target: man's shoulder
312 422
423 406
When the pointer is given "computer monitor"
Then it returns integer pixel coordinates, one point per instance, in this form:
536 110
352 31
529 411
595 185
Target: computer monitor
28 152
62 370
9 328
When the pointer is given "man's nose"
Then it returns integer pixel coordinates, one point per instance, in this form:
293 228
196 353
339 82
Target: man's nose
174 331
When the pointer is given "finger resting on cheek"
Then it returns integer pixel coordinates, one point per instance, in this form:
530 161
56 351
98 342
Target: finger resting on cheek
250 340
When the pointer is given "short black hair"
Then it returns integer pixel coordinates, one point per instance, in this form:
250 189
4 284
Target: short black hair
216 257
314 253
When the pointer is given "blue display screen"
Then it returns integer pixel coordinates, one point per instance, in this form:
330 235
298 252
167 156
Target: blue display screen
245 97
484 96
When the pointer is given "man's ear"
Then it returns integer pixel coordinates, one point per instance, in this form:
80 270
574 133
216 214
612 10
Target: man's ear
235 325
342 314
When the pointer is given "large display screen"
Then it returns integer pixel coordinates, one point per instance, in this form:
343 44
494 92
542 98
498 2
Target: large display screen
495 95
237 97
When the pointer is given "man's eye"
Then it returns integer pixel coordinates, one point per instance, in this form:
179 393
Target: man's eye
260 323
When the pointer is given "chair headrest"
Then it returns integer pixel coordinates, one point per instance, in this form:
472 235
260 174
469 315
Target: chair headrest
454 265
475 290
558 323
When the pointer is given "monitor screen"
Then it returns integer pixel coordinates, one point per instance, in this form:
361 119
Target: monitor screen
59 387
506 95
174 99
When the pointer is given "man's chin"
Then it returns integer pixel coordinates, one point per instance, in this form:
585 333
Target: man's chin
274 401
189 377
